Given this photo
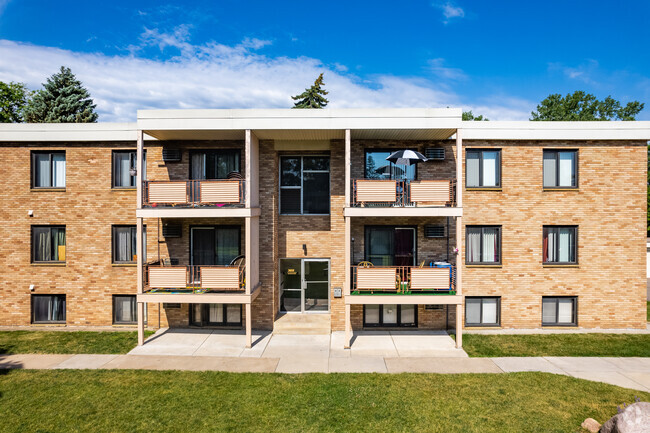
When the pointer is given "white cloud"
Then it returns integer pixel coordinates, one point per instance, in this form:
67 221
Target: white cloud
584 72
437 66
214 75
449 10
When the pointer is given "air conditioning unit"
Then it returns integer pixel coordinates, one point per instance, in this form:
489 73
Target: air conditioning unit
435 153
172 230
434 231
172 155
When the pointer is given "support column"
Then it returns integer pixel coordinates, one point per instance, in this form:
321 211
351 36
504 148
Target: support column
140 323
249 331
139 247
348 234
348 327
460 183
459 326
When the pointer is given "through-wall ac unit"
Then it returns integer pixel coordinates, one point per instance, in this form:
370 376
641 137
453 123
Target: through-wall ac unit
435 153
171 230
172 155
434 231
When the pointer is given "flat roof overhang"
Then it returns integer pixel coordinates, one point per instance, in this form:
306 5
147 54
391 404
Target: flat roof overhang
517 130
77 132
404 299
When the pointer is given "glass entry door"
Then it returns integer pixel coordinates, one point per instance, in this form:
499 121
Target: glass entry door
304 285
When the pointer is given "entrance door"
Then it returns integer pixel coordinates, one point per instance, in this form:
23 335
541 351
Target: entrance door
304 285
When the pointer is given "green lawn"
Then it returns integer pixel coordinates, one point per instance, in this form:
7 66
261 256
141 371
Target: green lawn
481 345
172 401
68 342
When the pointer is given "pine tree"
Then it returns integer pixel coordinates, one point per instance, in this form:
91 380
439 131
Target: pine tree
312 97
63 99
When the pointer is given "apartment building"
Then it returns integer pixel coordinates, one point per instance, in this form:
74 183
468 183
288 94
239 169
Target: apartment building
234 218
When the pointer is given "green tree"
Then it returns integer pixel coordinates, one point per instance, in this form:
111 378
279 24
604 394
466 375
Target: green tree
63 99
468 115
312 97
13 98
580 105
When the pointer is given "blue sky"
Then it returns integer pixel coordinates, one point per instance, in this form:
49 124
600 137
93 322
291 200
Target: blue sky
498 58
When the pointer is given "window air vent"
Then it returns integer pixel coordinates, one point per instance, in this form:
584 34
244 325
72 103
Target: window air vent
171 155
171 230
434 231
435 153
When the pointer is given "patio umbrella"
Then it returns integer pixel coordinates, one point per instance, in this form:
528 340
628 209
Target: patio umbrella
406 157
387 170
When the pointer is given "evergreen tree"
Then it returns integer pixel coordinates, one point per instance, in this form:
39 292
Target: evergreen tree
63 99
13 97
312 97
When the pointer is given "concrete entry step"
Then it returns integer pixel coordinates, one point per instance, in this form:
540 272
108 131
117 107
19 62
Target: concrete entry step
302 324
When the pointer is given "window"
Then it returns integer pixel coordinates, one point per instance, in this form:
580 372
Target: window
560 311
48 244
48 169
214 164
483 245
559 245
560 169
482 311
483 168
125 309
390 246
123 162
304 185
215 315
389 315
378 168
124 243
48 308
214 245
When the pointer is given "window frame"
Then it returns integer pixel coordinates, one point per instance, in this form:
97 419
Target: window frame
480 168
32 312
33 168
33 243
481 324
233 150
399 323
365 160
116 322
135 233
366 237
557 168
134 155
216 228
205 311
302 180
483 263
575 245
557 311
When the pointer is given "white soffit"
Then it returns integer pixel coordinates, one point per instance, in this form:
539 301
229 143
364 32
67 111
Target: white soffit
201 134
21 132
633 130
402 134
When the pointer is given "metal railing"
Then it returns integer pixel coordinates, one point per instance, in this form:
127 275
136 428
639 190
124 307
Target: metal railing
194 193
403 193
403 279
194 279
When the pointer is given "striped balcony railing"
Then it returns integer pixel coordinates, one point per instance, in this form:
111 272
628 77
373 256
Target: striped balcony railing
194 279
402 193
194 193
403 279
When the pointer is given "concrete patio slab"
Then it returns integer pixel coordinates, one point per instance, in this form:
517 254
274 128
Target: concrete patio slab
229 343
337 342
373 364
516 364
260 341
297 345
441 365
173 342
32 361
90 362
373 343
303 363
572 364
611 377
426 344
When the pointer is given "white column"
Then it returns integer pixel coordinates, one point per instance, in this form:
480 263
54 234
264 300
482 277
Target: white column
460 182
348 327
460 257
348 235
459 326
138 242
249 331
139 158
348 156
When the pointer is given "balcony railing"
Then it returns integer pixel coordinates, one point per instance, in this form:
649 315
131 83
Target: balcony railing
194 193
403 193
194 279
403 279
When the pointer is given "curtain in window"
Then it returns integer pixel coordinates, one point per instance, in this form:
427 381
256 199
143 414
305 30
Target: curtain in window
407 314
490 167
43 240
489 311
233 313
227 245
43 175
198 166
49 308
490 239
226 163
196 314
372 314
472 169
380 245
548 311
549 169
215 313
58 240
472 310
122 165
473 245
567 176
565 310
58 170
124 244
390 314
565 243
551 246
126 309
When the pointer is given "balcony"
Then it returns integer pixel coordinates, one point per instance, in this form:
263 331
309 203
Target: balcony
194 279
372 197
194 193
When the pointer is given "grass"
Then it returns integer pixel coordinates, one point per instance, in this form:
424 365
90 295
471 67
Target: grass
481 345
68 342
133 401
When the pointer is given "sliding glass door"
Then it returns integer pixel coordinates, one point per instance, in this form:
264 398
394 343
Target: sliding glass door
214 245
304 285
390 246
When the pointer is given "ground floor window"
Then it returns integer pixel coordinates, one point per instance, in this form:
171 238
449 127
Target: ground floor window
48 308
559 311
215 315
390 315
125 309
482 311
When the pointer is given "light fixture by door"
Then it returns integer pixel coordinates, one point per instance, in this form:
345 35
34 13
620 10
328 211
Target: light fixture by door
304 248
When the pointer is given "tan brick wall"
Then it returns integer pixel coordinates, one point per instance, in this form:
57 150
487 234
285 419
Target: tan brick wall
608 210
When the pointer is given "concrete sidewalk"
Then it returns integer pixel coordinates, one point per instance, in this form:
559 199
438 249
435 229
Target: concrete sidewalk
631 373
